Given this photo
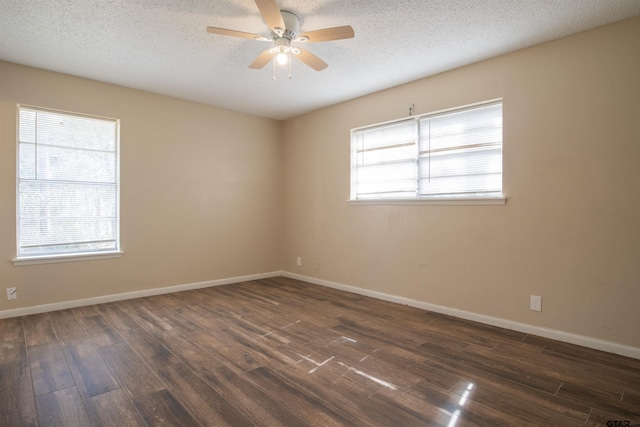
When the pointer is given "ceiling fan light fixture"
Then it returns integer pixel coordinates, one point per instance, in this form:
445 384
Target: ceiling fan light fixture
282 50
282 58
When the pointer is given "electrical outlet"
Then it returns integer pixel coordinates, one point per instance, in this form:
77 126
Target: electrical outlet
299 261
318 264
536 303
12 293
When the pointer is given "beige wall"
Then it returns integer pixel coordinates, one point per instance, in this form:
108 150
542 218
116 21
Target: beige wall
201 191
570 230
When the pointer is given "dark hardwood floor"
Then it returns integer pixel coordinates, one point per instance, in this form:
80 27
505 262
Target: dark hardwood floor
283 352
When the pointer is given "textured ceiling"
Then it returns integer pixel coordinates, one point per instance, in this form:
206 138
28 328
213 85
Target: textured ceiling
162 46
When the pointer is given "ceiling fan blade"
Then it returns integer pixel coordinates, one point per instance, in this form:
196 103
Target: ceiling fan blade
271 14
261 60
311 60
234 33
327 34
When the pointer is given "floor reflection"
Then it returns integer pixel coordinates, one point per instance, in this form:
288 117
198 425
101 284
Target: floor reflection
455 415
369 377
317 364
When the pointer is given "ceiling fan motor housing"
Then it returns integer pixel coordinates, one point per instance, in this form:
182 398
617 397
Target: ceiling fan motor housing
291 24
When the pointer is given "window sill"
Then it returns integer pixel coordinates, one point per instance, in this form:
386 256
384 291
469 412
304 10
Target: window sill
435 201
50 259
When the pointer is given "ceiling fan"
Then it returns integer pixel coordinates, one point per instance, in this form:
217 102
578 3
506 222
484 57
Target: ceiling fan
283 30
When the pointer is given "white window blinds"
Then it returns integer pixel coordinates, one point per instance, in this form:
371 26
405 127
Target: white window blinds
386 160
67 183
453 154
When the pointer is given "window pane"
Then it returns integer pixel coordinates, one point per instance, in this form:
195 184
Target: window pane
463 163
69 231
387 154
46 199
57 163
27 161
386 161
387 178
67 183
486 184
75 131
453 153
27 126
386 135
466 128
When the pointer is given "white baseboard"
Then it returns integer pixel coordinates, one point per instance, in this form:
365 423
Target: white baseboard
554 334
16 312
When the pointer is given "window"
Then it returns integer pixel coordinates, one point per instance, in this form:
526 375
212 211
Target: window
454 155
68 194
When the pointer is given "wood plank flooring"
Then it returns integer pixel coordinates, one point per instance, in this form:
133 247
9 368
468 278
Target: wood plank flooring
284 352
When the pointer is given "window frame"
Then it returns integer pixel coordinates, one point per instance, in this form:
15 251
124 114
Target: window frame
46 258
467 199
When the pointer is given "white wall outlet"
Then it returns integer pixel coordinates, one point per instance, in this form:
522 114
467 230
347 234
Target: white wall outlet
12 293
317 265
299 261
536 303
